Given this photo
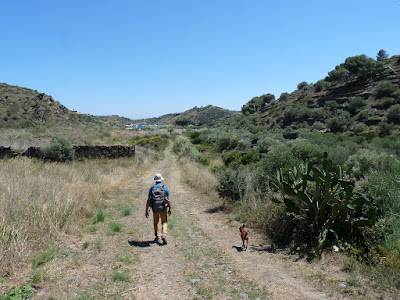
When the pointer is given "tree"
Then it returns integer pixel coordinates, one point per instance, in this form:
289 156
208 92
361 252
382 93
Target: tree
183 121
284 97
360 66
256 103
382 55
302 85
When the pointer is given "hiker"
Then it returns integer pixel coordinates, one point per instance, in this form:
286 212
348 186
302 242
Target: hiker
158 200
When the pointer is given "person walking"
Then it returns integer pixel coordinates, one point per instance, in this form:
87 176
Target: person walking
158 200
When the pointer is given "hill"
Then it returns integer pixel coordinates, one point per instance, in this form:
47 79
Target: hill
196 115
23 107
360 96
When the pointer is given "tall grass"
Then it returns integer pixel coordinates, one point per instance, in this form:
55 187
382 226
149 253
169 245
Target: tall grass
39 200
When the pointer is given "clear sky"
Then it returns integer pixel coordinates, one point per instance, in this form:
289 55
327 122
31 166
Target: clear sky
145 58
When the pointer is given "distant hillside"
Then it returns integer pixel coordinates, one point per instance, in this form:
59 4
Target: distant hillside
360 96
197 115
23 107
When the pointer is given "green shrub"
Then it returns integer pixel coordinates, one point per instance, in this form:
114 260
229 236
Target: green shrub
319 113
324 205
318 125
339 122
330 105
293 113
320 85
360 164
115 227
393 114
127 211
306 151
233 185
60 149
183 121
155 142
256 103
340 74
23 292
265 143
284 97
360 66
387 102
43 258
356 103
388 144
302 85
385 128
99 217
121 276
385 89
359 127
279 156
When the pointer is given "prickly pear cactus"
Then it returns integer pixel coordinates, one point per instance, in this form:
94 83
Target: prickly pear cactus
326 202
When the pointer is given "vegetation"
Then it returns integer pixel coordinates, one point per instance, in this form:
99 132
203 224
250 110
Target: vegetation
60 149
316 170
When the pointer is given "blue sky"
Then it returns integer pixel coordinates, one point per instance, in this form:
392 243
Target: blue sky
148 58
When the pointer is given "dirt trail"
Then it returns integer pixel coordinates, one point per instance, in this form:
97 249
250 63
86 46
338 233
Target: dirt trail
201 261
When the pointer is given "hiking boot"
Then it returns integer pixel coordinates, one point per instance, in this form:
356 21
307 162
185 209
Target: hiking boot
164 240
157 240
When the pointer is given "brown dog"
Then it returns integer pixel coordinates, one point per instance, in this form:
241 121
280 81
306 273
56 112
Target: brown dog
244 233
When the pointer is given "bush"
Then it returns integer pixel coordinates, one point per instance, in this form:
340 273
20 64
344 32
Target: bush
385 128
279 156
393 114
339 122
367 161
256 103
60 149
183 121
330 105
264 144
356 103
385 89
233 185
292 113
339 74
155 142
318 113
284 97
302 85
320 85
359 127
306 151
360 66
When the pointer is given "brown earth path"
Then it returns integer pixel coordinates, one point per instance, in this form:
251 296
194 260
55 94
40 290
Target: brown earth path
201 261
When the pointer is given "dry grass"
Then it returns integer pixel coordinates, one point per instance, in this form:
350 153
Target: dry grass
199 177
23 138
40 202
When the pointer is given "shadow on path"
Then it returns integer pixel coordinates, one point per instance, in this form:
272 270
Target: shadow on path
239 249
141 244
215 209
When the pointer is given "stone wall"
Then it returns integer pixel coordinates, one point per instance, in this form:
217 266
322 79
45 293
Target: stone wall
80 152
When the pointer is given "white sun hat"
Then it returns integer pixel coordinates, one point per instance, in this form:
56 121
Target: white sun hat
158 178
